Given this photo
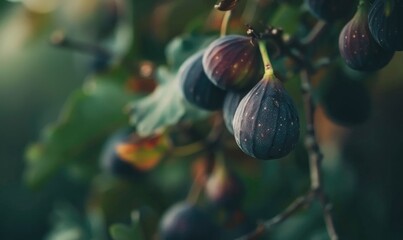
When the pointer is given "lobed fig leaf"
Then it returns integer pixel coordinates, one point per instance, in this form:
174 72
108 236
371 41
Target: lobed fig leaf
164 107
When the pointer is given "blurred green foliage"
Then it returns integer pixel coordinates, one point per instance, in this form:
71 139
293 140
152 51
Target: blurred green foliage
42 85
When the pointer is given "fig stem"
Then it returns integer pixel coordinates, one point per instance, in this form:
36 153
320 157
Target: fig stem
224 23
268 70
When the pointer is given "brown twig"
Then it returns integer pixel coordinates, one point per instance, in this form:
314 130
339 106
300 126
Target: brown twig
314 153
319 28
59 39
298 203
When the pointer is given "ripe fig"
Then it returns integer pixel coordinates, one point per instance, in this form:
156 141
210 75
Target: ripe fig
224 189
385 24
231 102
266 123
330 10
110 159
357 46
351 108
233 62
226 5
185 221
196 86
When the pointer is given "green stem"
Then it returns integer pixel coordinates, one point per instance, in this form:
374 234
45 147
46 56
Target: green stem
268 69
224 23
363 4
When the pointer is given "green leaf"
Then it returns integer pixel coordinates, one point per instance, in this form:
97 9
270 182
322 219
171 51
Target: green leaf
127 232
166 106
287 17
68 224
88 116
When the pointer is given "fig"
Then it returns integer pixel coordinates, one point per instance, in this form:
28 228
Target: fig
226 5
358 48
233 62
385 24
330 10
231 102
224 188
266 123
196 87
353 107
110 159
185 221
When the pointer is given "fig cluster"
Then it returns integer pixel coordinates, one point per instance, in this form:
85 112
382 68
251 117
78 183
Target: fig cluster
369 40
257 110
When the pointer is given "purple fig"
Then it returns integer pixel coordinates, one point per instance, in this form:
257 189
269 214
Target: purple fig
224 189
196 87
233 62
357 46
266 123
386 24
231 102
185 221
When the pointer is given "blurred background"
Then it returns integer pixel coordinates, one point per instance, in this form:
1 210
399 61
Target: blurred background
46 102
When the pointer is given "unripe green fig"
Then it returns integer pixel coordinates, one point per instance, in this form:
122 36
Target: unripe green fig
185 221
231 102
330 10
266 123
386 24
233 62
357 46
196 87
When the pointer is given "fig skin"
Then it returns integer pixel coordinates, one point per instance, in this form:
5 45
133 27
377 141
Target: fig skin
110 160
231 102
185 221
196 87
233 62
224 188
226 5
266 123
330 10
353 108
387 29
358 48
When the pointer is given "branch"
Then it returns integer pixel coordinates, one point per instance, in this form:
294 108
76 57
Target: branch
281 217
315 155
315 160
